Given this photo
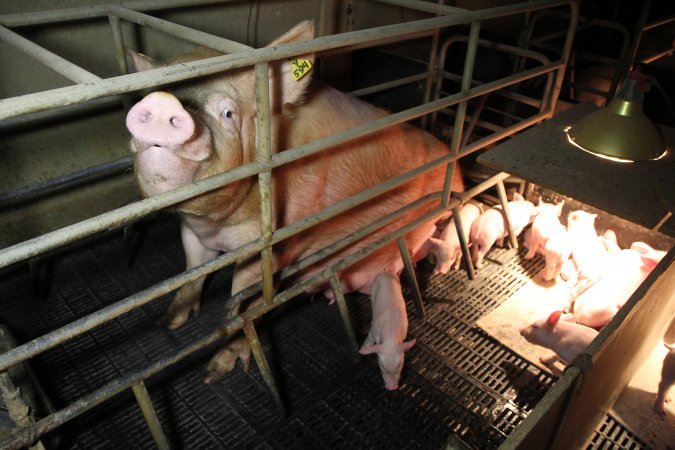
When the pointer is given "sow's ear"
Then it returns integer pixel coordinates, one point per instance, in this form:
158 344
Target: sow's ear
289 78
141 62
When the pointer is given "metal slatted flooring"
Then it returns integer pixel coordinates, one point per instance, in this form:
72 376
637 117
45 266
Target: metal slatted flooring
457 379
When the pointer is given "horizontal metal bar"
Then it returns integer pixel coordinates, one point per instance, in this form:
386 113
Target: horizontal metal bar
117 85
180 31
96 11
658 23
424 6
129 213
58 64
68 181
389 85
465 196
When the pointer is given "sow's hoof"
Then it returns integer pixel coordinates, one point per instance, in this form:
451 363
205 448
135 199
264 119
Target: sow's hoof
224 360
178 313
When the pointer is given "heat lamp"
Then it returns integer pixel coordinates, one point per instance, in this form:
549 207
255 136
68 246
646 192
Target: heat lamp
620 132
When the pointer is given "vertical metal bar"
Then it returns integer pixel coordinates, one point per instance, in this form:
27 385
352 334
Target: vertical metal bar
264 154
118 42
150 416
567 48
467 75
344 311
432 72
466 256
323 14
410 270
501 191
263 366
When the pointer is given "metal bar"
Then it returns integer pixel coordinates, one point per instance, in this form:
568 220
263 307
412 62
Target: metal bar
424 6
118 42
264 155
466 256
501 191
68 181
110 312
658 23
388 85
96 11
150 416
458 126
74 94
52 60
412 279
344 313
263 366
146 206
180 31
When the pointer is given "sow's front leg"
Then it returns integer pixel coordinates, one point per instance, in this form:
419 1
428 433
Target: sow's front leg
237 347
188 297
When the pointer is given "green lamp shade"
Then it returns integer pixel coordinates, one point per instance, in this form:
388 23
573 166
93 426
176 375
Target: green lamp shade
620 131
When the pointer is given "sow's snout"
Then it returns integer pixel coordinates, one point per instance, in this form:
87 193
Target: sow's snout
160 119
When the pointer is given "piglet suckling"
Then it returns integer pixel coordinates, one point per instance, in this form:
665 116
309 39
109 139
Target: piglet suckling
448 251
388 328
490 227
549 237
625 270
667 380
566 339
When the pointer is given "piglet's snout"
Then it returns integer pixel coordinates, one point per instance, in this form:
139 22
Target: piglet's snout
160 119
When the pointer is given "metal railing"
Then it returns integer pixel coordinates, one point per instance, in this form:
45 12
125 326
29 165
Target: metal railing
92 88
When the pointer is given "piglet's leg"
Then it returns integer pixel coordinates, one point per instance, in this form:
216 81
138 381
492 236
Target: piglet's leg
188 297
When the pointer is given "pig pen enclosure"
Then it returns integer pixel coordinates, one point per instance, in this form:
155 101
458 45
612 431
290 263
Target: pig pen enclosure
89 269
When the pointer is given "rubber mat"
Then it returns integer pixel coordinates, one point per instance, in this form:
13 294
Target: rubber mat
457 380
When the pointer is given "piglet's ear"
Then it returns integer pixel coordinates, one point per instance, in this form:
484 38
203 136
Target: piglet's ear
368 349
289 78
559 208
141 62
408 345
553 319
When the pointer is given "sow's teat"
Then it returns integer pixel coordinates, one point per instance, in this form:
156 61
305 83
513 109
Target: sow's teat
159 119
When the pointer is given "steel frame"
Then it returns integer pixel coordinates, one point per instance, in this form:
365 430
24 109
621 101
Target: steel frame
92 88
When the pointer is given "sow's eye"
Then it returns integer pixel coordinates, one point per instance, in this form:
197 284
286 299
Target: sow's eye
226 113
222 109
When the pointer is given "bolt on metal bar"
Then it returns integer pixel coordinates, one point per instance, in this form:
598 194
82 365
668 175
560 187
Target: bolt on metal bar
74 94
264 155
58 64
150 416
263 366
412 279
180 31
344 312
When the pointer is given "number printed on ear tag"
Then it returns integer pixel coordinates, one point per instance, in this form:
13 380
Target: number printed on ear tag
300 67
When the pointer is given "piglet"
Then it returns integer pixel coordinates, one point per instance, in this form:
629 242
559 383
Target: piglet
566 339
388 328
588 251
667 380
448 250
490 227
625 270
549 237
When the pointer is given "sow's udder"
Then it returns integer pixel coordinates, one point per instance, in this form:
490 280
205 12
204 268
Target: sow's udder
162 132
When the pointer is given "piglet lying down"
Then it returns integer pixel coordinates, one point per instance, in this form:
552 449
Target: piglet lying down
209 127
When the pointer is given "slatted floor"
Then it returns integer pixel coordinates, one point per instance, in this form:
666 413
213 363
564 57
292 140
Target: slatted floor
457 380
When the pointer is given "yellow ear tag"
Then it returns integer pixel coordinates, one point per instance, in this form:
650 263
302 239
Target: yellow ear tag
300 68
